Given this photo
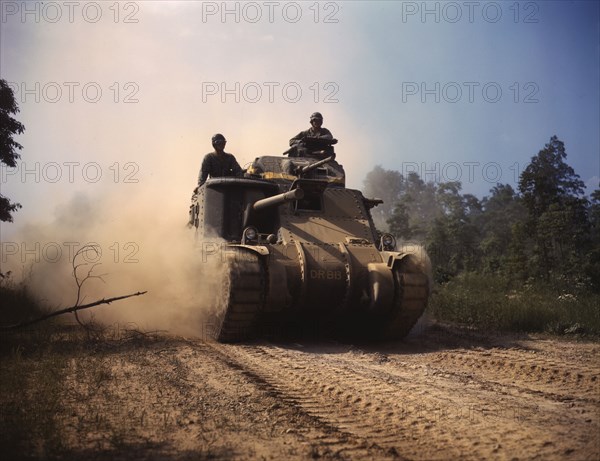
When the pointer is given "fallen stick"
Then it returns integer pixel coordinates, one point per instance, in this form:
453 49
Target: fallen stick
70 309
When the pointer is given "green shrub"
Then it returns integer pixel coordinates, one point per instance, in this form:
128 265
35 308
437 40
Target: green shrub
494 302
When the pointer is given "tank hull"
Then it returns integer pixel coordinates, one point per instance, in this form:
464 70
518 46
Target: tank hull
306 252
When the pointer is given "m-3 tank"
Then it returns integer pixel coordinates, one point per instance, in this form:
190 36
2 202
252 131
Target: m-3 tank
297 247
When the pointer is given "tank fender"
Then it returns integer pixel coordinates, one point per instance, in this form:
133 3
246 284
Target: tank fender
381 287
258 249
392 257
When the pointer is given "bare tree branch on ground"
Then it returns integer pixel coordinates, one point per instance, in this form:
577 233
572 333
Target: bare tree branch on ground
72 309
79 282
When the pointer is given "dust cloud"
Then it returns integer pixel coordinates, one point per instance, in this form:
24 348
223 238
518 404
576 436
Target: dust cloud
139 229
125 245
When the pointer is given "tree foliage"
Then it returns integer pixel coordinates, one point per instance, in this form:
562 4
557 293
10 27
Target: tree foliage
548 180
386 185
557 218
547 229
8 146
503 211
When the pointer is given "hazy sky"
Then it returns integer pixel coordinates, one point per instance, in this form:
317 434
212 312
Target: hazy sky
121 99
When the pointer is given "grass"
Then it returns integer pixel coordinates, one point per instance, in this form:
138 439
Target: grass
30 394
35 364
30 377
493 302
36 400
17 302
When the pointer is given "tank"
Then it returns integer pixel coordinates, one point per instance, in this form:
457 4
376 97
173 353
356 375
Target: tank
298 249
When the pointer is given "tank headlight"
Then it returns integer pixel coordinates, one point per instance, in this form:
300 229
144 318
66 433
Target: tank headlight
250 234
388 242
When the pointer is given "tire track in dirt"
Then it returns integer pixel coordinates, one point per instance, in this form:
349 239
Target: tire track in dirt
422 410
338 440
181 399
252 423
529 369
428 398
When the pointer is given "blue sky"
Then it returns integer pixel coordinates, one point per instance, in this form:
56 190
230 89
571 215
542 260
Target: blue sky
374 69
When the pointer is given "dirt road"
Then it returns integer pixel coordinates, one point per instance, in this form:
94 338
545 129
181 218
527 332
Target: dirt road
440 395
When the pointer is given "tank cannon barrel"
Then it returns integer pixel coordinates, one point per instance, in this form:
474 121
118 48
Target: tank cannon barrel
278 199
314 166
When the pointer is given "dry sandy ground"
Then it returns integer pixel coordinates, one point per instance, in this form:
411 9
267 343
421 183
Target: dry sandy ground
441 395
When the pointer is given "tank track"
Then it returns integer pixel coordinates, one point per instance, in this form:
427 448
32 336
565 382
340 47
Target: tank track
411 297
243 289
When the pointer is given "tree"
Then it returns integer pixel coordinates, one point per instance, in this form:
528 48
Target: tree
557 211
454 239
8 146
502 210
440 217
386 185
415 209
592 267
594 214
548 179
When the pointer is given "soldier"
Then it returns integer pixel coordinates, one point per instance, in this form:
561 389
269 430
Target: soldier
315 131
218 163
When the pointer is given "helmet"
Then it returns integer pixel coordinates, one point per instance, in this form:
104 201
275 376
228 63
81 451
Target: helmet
218 137
316 116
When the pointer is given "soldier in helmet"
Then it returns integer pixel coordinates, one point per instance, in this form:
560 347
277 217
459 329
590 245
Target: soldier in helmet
316 130
219 162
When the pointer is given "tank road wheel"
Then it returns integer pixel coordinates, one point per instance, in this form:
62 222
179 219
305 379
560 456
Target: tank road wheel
240 299
412 280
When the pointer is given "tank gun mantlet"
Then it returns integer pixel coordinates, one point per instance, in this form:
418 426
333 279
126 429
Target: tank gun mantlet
310 187
270 202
